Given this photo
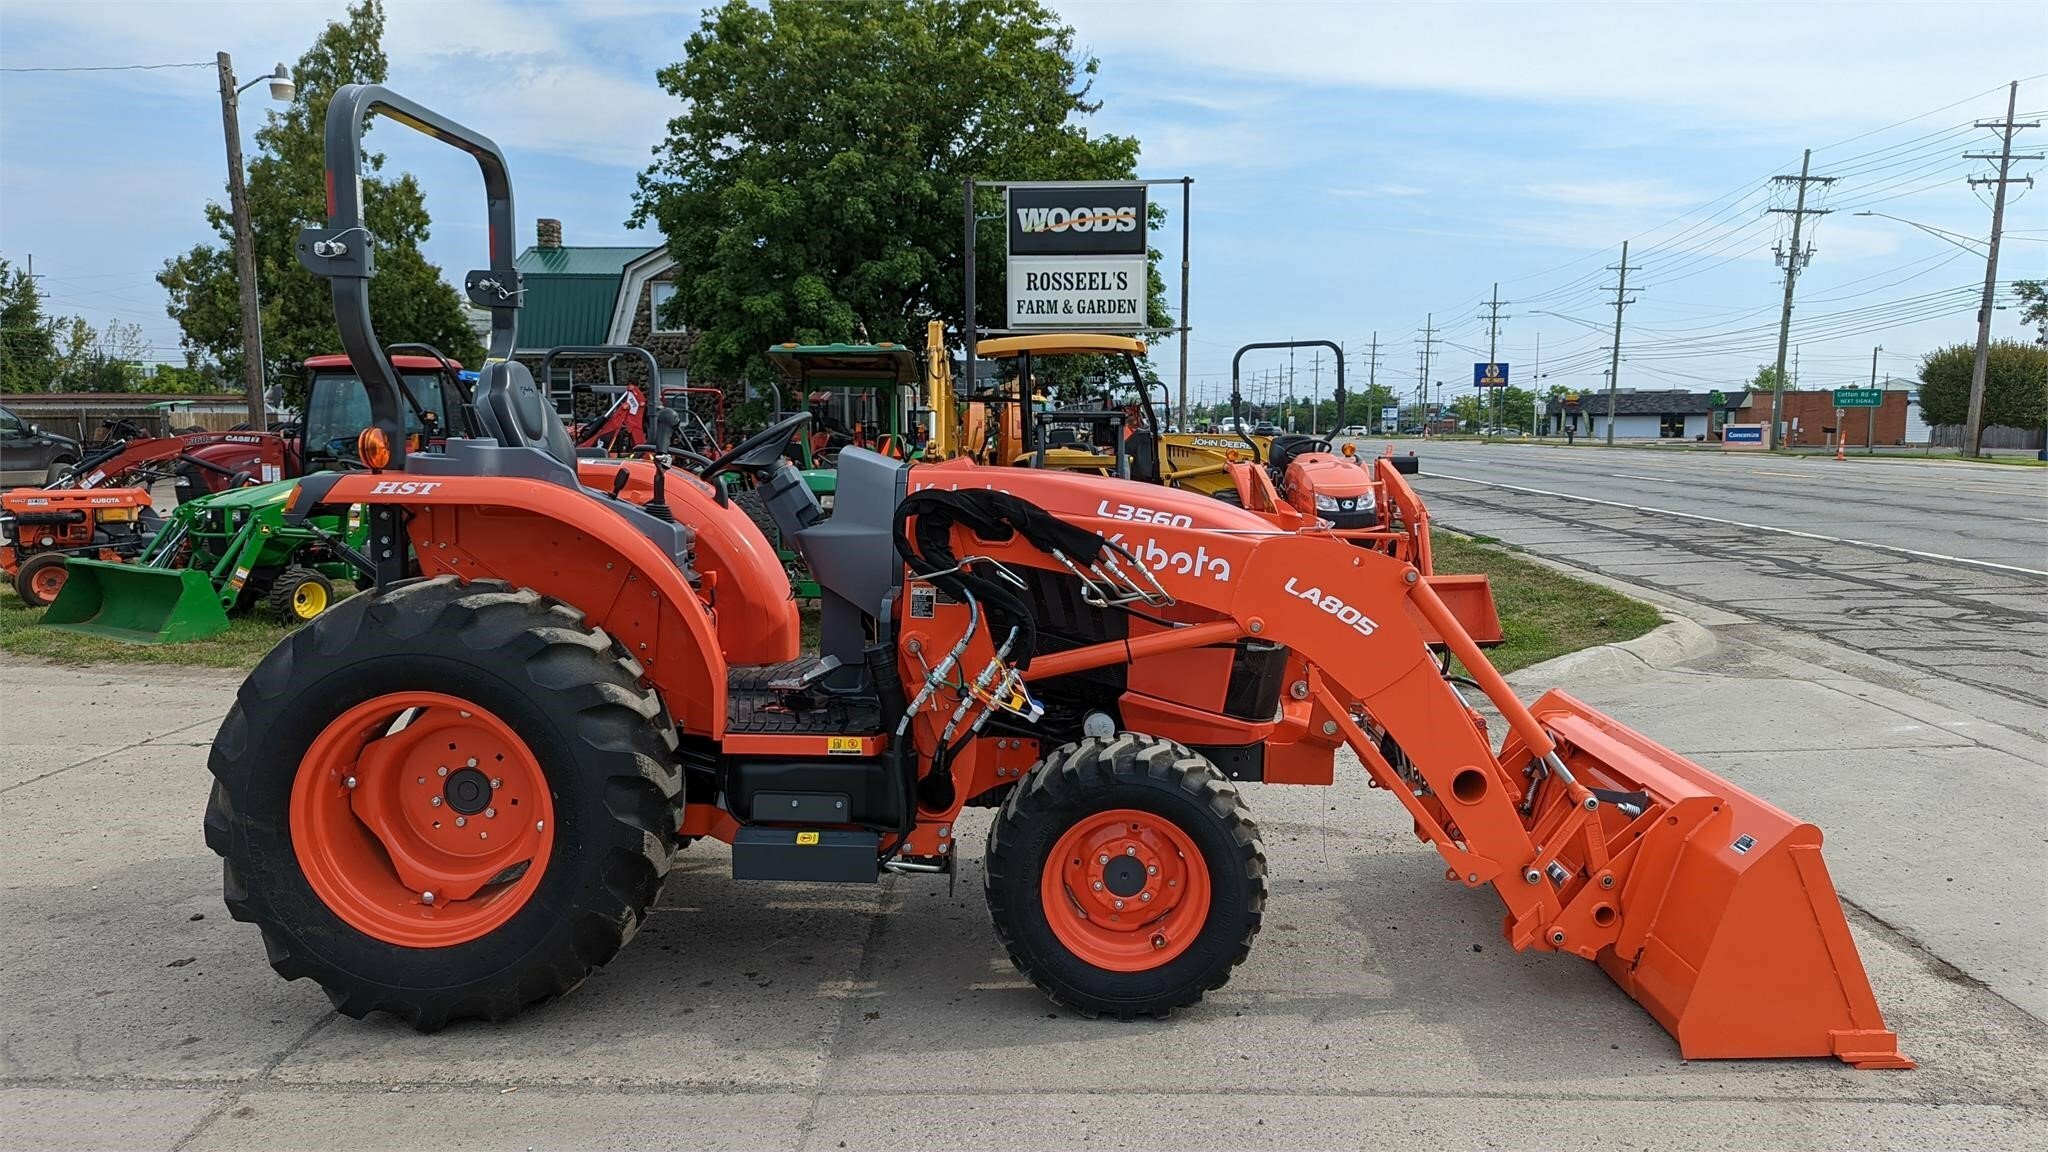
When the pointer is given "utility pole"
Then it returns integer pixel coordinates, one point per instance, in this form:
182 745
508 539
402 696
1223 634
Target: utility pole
1423 356
1973 432
1315 393
1870 425
1621 300
1535 382
1372 380
245 247
1793 259
1493 319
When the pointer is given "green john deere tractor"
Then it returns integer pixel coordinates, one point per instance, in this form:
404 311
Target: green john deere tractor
215 555
863 395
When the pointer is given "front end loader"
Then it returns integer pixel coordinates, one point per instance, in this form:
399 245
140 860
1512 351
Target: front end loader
216 555
460 792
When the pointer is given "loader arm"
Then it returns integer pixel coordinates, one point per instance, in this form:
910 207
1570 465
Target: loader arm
1708 905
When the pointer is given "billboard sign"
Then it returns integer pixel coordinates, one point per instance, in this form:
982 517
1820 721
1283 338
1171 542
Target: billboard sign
1489 375
1742 435
1390 413
1077 257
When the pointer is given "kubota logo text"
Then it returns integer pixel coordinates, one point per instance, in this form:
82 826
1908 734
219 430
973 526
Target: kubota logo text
1035 220
1143 515
1196 563
404 487
1335 606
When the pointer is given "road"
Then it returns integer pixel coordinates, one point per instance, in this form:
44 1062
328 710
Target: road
1938 568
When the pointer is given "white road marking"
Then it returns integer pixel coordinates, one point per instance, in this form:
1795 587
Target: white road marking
1651 479
1744 524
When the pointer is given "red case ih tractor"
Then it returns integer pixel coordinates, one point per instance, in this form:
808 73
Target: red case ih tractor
460 792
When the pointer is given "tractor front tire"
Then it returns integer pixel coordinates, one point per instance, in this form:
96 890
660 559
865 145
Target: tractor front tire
40 578
429 718
1124 876
299 595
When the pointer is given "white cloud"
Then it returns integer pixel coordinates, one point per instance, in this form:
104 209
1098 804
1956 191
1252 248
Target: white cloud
1612 194
1758 63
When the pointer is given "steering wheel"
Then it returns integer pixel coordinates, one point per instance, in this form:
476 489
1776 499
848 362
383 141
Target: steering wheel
757 451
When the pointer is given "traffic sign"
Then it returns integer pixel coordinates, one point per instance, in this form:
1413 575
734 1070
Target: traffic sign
1489 375
1859 397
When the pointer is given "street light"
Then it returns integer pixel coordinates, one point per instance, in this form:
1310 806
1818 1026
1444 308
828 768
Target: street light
281 89
1973 428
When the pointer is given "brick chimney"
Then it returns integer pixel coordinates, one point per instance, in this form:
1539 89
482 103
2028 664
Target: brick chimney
547 233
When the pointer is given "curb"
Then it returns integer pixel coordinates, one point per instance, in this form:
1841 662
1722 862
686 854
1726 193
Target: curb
1677 641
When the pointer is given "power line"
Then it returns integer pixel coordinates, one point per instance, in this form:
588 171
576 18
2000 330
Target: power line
115 67
2007 129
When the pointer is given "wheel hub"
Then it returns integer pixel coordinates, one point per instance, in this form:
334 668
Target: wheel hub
1126 890
467 792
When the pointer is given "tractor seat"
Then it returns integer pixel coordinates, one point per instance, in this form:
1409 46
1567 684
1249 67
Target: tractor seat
517 415
1286 448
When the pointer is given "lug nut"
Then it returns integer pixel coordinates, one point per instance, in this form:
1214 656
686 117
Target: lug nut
1119 905
441 771
1151 869
1102 859
1145 896
539 825
1159 941
1098 885
435 801
490 813
461 820
494 784
426 897
351 781
1130 850
472 762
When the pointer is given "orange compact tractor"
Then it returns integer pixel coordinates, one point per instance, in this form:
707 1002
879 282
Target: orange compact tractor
460 792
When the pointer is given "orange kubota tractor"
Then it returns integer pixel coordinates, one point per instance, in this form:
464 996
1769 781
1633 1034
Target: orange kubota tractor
460 792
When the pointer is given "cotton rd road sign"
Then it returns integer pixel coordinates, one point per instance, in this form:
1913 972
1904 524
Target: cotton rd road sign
1077 258
1859 397
1490 375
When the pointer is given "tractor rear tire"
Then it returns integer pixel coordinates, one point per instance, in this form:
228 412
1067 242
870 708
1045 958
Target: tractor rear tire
40 578
591 751
1164 824
750 502
299 595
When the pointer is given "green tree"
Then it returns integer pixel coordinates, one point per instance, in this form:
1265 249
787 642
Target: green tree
28 345
810 187
409 300
1766 379
2015 384
2033 298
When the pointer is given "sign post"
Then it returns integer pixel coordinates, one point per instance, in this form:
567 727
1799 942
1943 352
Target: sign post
1868 398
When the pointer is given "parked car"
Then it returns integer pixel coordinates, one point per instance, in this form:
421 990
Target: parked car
1265 428
29 455
1354 430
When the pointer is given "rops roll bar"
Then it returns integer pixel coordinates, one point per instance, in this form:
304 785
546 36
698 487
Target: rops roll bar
343 252
1237 398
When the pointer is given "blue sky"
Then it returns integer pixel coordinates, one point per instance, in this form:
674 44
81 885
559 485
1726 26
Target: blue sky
1357 169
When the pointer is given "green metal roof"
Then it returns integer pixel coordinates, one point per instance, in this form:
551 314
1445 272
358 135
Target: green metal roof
570 293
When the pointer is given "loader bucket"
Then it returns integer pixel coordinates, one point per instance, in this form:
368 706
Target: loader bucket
1729 930
138 604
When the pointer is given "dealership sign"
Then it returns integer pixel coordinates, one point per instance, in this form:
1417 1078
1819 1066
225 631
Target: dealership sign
1077 257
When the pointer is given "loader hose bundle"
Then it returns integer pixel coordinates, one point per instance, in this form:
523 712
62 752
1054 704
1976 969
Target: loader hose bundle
995 516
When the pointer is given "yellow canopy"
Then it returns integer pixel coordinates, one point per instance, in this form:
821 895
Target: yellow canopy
1059 344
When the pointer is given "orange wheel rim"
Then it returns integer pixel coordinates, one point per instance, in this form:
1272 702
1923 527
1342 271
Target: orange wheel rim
48 581
421 819
1125 890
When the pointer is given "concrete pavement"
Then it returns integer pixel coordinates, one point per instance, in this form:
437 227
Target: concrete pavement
1380 1007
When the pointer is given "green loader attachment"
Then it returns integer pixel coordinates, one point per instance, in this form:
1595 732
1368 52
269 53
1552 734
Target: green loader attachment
214 556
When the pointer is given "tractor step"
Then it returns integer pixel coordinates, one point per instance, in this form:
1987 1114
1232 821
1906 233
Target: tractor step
807 856
779 699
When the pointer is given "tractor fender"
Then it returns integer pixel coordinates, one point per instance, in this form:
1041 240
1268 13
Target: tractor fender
563 543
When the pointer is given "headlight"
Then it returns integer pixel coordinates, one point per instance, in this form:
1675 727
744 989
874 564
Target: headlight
1325 503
